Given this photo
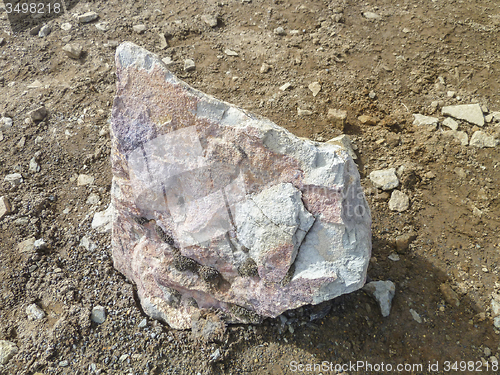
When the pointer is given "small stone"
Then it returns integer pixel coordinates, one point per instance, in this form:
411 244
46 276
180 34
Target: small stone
265 68
420 120
402 242
367 120
163 41
406 30
383 292
143 323
6 123
98 314
93 199
338 117
26 246
415 316
34 312
189 65
230 52
487 351
469 112
495 305
86 243
450 296
64 363
372 16
44 31
38 114
399 201
449 122
304 112
481 140
40 245
1 136
168 61
87 17
372 95
279 31
496 116
460 135
315 88
5 207
7 351
139 29
393 257
384 179
73 50
488 118
496 322
102 26
14 179
84 179
123 357
102 220
209 19
285 86
66 26
451 94
33 166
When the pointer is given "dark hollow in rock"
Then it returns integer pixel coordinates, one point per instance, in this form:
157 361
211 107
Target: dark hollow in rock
248 268
289 275
245 314
183 263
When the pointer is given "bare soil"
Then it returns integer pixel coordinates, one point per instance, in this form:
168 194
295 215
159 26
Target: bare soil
387 68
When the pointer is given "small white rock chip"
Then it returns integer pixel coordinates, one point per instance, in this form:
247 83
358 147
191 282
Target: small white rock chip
229 52
481 139
87 243
285 86
26 246
102 220
6 123
189 65
495 305
168 61
449 122
399 201
85 179
394 257
315 88
98 314
338 116
87 17
33 166
420 120
143 323
34 312
5 207
383 292
73 50
163 40
384 179
40 244
102 26
44 31
265 68
415 316
93 199
14 179
209 19
66 26
304 112
279 31
7 351
372 16
139 29
469 112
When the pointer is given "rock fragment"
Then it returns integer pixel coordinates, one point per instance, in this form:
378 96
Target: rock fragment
304 112
98 314
461 136
230 52
209 19
87 17
7 351
372 16
420 120
73 50
279 31
415 316
481 140
44 31
38 114
338 117
189 65
384 179
367 120
6 123
265 68
450 296
5 207
139 29
34 312
383 292
85 179
469 112
315 88
399 201
15 179
66 26
34 167
102 220
449 122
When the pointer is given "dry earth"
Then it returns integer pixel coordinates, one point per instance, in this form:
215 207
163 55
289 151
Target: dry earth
416 57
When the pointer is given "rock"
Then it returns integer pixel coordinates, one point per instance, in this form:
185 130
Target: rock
66 26
102 220
73 50
7 351
402 242
168 61
462 137
84 179
372 16
338 117
33 166
87 243
6 123
393 257
481 139
399 201
98 314
38 114
93 199
367 120
496 323
420 120
5 207
34 312
26 246
1 136
87 17
415 316
209 19
189 65
487 351
383 292
384 179
40 245
495 305
143 323
451 94
285 86
139 29
345 142
303 112
469 112
279 31
496 116
64 363
230 52
315 88
102 26
449 122
232 211
450 296
44 31
264 68
163 40
15 179
372 95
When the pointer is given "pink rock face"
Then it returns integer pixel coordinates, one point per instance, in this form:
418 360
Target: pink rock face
216 208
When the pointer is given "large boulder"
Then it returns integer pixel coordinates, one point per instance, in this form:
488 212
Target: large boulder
214 207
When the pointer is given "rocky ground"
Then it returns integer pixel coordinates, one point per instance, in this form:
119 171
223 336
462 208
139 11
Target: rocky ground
299 64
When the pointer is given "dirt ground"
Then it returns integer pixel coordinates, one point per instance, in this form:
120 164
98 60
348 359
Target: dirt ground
418 56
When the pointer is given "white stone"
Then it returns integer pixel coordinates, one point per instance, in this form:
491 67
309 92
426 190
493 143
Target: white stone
480 139
66 26
5 123
5 207
304 112
26 246
7 351
87 243
98 314
383 292
209 19
87 17
34 312
315 88
33 166
40 244
168 61
102 26
73 50
449 122
230 52
14 179
372 16
44 31
139 29
469 112
495 306
415 316
189 65
399 201
102 220
285 86
384 179
420 120
93 199
85 179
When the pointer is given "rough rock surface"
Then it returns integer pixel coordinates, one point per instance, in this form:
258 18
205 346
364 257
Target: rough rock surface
216 208
383 292
469 112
